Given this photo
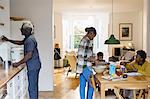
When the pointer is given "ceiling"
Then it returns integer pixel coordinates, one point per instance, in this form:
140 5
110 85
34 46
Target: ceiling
97 5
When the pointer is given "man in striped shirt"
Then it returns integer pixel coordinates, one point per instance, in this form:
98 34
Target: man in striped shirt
84 61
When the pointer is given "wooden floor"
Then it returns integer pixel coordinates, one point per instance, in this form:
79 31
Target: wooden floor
66 87
62 85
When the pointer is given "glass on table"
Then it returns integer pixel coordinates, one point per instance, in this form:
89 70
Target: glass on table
123 69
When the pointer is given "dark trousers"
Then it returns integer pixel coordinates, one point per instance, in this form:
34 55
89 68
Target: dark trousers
33 77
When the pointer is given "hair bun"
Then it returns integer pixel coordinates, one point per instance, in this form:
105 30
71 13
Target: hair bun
89 29
86 29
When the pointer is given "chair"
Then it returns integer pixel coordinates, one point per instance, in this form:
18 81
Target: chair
141 88
72 62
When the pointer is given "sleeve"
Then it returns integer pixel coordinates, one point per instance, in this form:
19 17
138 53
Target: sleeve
30 45
130 66
145 70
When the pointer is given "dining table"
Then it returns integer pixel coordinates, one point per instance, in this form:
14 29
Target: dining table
130 81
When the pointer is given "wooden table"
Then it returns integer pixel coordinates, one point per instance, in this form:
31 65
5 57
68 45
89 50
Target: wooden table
136 81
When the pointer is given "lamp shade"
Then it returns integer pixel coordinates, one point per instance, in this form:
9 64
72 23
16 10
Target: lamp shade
112 40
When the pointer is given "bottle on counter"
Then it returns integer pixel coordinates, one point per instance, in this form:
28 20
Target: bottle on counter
7 64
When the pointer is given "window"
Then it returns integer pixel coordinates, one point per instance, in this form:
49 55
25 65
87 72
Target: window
78 31
74 29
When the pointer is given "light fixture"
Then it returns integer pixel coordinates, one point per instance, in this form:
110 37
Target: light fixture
112 39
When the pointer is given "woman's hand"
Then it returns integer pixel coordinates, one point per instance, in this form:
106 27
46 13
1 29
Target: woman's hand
16 64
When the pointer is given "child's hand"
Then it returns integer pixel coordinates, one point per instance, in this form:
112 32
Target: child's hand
123 63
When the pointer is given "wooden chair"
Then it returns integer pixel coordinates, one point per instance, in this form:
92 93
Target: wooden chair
72 62
117 91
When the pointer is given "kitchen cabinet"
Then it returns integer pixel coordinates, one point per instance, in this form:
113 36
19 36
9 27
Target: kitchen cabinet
17 87
15 79
5 28
5 17
14 83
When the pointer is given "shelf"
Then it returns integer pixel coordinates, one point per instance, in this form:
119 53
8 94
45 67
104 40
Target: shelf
1 7
16 18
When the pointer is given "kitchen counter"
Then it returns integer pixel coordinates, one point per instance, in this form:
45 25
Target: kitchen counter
6 76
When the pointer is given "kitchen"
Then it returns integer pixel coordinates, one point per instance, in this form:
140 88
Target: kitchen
46 46
41 14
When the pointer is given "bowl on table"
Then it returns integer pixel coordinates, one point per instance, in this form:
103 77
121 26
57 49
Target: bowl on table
99 68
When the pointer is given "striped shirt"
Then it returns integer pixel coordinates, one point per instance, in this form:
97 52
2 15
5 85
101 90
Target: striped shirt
85 50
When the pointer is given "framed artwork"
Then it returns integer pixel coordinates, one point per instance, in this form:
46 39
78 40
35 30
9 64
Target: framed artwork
125 31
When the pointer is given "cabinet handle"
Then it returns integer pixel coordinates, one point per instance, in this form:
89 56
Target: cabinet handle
2 24
10 84
1 7
18 77
12 51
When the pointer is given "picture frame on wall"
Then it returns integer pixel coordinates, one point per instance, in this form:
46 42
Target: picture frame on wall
125 31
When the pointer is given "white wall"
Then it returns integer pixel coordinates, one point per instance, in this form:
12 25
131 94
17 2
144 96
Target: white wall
121 17
40 13
146 25
145 14
58 33
58 26
130 17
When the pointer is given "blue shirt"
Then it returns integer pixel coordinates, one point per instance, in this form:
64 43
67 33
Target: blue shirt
30 44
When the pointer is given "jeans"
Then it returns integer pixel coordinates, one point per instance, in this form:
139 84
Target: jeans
83 81
33 76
